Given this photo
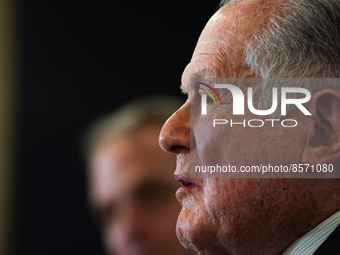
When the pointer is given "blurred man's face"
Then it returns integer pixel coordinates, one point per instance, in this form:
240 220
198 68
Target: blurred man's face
231 216
132 188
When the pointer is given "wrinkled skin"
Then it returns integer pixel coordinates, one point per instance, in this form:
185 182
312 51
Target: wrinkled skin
132 190
241 216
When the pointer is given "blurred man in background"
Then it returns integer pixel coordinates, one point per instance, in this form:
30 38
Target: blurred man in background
131 184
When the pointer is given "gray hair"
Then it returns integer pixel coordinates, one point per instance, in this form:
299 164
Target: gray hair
149 110
302 40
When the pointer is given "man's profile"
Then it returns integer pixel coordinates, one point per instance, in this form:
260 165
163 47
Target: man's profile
131 185
262 39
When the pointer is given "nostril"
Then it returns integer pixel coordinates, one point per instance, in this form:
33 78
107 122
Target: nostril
177 148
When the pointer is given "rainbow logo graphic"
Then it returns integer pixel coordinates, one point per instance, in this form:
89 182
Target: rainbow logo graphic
212 89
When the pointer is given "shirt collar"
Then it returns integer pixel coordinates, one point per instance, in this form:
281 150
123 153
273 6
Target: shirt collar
310 242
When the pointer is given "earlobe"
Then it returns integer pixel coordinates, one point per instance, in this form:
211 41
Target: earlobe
324 139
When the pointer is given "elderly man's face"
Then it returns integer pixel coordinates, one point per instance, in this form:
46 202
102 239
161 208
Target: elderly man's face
132 189
230 216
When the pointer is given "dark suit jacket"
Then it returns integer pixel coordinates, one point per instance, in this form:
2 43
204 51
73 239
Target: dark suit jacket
332 244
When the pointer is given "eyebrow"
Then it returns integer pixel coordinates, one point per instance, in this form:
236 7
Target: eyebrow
204 72
183 90
197 75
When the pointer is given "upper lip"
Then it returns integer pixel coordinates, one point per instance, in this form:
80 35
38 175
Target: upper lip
186 181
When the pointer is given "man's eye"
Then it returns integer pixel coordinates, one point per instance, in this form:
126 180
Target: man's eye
210 101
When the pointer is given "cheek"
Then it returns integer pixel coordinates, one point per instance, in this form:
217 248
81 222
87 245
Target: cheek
114 240
242 207
246 146
225 145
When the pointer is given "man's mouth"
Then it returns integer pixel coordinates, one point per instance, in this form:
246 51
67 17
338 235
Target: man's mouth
186 182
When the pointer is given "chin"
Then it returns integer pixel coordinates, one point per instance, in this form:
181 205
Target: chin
194 229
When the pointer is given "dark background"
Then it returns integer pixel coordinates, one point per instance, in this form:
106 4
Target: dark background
79 60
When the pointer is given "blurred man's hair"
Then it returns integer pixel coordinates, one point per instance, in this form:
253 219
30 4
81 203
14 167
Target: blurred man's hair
147 110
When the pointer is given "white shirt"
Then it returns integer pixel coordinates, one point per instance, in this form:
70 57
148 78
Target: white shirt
310 242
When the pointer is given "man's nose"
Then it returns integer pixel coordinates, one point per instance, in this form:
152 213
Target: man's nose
175 134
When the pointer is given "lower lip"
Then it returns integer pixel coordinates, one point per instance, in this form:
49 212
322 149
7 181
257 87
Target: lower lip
186 188
180 194
183 192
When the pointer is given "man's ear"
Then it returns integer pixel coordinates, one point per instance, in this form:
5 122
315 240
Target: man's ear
324 138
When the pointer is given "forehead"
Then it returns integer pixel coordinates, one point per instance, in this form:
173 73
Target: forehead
219 52
120 164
